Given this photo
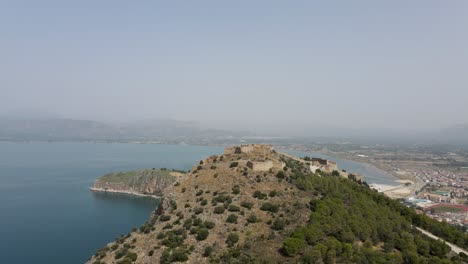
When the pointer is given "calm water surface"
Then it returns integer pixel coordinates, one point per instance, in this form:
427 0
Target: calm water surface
47 213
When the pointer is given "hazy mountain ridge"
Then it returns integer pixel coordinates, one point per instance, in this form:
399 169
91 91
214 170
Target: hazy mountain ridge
63 129
54 129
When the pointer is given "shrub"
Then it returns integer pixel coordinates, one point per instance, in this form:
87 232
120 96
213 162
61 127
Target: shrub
234 164
232 239
194 230
202 234
197 222
179 255
280 175
161 235
252 219
222 198
164 218
200 192
259 195
198 210
188 223
120 253
235 189
204 202
272 194
233 208
132 256
180 232
247 205
183 189
269 207
172 240
293 246
208 251
150 253
278 224
219 210
232 218
209 224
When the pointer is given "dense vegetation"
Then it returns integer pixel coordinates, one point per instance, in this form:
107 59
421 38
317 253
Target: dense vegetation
351 223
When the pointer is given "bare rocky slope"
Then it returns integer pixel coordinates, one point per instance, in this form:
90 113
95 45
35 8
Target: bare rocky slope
255 205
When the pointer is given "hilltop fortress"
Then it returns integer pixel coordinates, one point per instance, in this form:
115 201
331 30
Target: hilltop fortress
260 158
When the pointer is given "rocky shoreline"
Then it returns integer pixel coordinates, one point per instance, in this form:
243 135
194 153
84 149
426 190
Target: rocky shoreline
94 189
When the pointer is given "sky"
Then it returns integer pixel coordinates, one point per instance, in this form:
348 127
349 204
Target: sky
400 65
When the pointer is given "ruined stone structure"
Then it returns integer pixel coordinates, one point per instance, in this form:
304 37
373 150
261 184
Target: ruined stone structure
256 156
322 164
265 165
249 148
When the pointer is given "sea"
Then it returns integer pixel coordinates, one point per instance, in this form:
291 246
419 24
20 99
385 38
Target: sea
48 215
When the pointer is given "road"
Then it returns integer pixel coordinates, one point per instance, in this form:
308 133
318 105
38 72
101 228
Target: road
454 248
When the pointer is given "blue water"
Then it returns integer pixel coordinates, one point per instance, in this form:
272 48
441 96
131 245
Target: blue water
370 173
47 213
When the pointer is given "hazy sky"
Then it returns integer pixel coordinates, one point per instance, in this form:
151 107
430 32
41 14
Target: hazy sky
398 64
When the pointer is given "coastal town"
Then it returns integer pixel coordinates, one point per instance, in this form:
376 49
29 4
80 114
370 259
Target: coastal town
433 182
443 197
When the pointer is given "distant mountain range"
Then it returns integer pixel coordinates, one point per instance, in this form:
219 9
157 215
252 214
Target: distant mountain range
167 130
55 129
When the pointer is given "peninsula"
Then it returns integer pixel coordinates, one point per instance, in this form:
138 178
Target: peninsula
149 182
255 205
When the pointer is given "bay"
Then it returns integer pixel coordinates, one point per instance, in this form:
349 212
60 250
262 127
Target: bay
48 214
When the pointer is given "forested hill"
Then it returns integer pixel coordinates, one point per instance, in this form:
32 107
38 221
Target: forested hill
227 210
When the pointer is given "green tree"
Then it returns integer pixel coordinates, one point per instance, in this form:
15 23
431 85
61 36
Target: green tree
293 246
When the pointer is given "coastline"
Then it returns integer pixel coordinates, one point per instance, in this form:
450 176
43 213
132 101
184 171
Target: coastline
399 191
94 189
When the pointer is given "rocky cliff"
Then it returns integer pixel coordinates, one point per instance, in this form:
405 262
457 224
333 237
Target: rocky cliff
145 182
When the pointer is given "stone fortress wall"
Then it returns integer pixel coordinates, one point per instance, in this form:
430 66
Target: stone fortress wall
261 151
249 148
265 151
